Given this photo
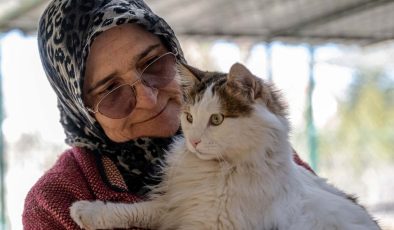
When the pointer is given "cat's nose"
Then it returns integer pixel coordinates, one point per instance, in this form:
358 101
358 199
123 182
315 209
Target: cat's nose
195 142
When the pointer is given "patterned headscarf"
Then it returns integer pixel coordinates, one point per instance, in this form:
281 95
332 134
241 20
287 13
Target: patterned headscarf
66 31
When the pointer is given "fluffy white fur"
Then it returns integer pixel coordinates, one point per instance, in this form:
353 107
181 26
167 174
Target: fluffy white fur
241 176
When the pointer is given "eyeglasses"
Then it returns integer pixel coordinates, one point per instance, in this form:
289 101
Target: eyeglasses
121 101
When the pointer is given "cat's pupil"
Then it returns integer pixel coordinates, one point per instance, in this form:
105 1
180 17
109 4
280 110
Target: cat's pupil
189 117
216 119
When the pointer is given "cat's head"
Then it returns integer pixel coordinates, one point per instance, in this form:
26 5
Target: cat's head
226 115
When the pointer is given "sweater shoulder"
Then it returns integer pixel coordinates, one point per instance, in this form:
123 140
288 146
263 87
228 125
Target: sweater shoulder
48 201
65 175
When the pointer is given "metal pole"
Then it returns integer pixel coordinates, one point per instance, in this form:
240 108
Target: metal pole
268 53
311 129
2 164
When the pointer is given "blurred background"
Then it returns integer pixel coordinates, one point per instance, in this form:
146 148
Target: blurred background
333 61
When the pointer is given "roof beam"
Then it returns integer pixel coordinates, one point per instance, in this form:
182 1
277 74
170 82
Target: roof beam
24 8
376 41
331 16
266 37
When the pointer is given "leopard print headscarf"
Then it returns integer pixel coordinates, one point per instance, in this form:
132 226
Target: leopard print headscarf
66 31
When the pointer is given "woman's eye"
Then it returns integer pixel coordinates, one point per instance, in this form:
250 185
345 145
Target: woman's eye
189 117
112 86
108 88
151 60
216 119
148 63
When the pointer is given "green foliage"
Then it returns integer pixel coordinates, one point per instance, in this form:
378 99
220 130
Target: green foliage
364 128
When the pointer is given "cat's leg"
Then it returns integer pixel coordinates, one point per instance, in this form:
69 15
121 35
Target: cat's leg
100 215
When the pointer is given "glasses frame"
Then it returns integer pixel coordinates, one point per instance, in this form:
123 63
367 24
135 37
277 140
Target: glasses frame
95 108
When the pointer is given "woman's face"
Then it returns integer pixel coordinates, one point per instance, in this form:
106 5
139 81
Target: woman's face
118 56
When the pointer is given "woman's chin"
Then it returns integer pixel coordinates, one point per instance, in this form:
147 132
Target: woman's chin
160 131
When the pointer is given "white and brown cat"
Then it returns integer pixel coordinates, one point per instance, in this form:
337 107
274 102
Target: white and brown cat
232 170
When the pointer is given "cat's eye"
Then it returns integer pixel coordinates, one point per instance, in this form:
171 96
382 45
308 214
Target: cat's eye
216 119
189 117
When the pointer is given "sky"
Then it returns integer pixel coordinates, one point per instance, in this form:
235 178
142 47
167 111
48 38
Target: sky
28 98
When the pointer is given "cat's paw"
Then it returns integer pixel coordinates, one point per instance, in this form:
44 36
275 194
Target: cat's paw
87 214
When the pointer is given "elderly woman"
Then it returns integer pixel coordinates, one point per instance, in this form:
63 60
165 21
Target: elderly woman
112 66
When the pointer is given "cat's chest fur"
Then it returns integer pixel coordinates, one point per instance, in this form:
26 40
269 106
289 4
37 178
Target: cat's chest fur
213 194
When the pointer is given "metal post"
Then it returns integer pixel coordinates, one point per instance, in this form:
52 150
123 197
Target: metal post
2 164
268 53
311 130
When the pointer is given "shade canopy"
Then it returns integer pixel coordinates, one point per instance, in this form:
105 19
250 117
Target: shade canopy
313 21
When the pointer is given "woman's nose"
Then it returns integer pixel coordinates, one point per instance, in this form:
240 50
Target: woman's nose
146 96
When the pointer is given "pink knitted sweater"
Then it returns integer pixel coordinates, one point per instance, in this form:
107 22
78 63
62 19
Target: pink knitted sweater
76 176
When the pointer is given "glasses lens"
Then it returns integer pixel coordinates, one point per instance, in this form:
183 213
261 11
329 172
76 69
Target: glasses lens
160 72
119 103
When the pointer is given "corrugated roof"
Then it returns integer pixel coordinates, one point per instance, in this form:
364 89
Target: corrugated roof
350 21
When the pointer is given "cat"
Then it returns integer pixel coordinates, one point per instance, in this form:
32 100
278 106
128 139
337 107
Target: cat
233 169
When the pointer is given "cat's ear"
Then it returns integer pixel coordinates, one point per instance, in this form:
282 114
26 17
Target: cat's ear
256 88
189 76
244 80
